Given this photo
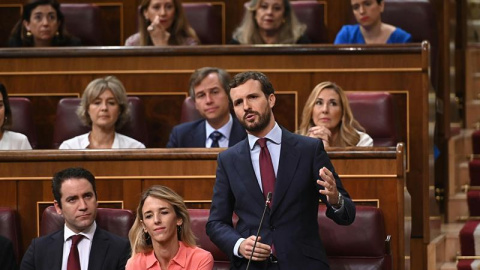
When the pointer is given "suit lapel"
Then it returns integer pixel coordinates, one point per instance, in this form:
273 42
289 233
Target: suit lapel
198 135
289 158
244 168
99 250
56 246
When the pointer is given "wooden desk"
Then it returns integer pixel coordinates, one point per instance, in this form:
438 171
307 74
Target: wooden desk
371 176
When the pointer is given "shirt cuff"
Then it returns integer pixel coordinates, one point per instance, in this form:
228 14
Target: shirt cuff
237 246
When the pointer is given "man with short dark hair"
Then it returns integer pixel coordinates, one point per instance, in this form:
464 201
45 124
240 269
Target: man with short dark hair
294 168
209 90
81 243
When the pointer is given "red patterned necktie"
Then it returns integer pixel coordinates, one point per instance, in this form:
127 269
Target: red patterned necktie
266 168
73 262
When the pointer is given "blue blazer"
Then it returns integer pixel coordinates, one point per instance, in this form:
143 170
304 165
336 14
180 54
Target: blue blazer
193 134
291 223
108 252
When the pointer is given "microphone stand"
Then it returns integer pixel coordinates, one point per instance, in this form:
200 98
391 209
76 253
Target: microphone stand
267 202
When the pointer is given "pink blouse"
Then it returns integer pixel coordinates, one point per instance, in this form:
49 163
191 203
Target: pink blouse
186 258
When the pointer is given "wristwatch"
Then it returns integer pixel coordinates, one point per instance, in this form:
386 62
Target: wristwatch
339 204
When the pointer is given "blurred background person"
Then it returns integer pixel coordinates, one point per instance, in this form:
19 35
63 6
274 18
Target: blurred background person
328 117
217 128
270 22
162 23
104 107
369 28
9 140
42 25
161 237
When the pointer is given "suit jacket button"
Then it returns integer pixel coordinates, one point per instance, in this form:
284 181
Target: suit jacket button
272 228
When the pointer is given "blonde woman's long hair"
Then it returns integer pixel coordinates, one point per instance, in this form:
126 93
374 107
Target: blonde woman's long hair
348 135
138 238
290 31
180 30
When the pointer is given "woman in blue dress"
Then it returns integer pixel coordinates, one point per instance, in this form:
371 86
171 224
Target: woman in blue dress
370 28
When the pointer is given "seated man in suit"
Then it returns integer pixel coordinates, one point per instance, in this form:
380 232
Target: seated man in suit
209 90
81 244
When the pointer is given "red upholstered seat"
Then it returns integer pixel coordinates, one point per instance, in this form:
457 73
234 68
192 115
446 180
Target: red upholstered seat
189 112
345 245
375 112
10 229
22 122
84 22
199 218
312 14
117 221
68 125
207 21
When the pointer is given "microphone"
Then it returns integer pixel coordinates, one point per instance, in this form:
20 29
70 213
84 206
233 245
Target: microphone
267 202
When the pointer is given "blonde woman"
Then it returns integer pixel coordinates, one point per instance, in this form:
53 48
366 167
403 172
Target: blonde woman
270 22
328 117
161 237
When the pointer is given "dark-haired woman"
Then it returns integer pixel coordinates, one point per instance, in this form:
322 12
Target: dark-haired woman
42 25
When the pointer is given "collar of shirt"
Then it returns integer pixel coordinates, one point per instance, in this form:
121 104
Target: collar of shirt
274 136
85 142
180 258
88 233
225 130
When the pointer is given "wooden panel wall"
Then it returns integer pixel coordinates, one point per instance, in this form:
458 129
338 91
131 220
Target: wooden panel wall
374 175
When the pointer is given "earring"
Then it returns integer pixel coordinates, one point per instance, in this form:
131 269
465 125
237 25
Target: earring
57 34
146 236
179 230
28 33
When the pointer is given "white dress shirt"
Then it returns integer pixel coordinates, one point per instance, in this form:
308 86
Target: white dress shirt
84 246
225 130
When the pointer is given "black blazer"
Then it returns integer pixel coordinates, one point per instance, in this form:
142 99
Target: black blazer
193 134
108 252
291 223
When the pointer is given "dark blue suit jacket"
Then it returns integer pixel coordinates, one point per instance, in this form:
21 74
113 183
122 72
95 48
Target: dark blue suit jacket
108 252
193 134
291 223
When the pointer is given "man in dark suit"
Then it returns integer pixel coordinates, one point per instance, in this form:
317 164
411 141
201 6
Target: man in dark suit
76 199
302 174
209 91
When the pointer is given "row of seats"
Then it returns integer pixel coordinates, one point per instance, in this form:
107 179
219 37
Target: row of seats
345 245
374 110
83 20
